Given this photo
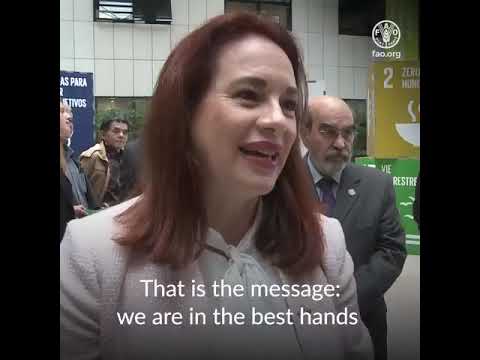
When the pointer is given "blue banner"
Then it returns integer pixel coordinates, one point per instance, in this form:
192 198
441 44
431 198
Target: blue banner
76 89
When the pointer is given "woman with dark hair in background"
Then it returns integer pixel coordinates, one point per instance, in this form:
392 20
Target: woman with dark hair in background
225 198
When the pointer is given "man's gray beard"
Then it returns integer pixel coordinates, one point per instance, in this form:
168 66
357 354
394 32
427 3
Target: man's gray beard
332 168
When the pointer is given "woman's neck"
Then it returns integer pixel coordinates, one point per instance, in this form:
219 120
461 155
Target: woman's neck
231 217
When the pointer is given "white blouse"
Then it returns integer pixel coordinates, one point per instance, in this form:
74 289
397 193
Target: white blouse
244 265
100 279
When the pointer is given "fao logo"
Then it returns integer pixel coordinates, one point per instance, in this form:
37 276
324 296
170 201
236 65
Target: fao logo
386 34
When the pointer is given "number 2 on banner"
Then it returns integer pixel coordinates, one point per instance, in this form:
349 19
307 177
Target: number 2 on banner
389 72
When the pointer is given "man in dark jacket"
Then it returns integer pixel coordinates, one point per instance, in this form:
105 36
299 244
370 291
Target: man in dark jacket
363 200
130 169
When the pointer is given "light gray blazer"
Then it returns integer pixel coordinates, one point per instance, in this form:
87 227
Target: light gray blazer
99 278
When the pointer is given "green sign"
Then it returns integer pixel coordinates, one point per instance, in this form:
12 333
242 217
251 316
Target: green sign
404 173
393 122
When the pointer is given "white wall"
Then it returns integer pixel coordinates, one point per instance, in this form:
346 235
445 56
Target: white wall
124 58
127 58
340 60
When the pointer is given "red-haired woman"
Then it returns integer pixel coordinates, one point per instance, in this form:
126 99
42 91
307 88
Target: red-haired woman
226 202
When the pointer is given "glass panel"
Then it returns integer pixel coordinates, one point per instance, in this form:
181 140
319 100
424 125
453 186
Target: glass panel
115 10
279 12
231 6
359 17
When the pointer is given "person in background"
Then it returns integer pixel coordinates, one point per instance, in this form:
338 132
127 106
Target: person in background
363 200
224 198
103 161
82 195
67 211
131 169
416 202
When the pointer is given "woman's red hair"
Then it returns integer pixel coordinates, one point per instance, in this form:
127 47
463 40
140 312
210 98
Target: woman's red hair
169 219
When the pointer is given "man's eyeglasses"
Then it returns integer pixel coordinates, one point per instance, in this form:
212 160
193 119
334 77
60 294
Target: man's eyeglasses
331 132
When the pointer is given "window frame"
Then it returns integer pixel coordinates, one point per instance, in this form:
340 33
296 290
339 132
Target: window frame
281 3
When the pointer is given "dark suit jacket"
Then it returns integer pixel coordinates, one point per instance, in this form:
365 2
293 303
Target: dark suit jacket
130 169
374 235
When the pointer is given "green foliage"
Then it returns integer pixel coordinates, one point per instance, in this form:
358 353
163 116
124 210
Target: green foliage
135 116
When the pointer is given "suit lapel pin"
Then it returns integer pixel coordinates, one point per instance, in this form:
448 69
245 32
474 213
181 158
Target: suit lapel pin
351 192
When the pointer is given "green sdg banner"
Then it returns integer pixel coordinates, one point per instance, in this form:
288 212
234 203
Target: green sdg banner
404 173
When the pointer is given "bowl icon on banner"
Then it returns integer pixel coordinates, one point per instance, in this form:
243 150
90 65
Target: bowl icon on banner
409 132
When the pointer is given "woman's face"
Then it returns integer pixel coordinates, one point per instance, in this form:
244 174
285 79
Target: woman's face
65 124
245 125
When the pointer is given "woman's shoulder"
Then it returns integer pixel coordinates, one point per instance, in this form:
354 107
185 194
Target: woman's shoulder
95 233
91 263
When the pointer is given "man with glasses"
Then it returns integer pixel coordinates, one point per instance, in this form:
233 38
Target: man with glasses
363 200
